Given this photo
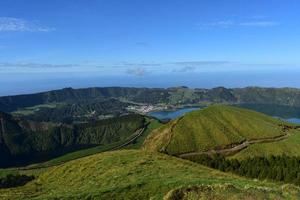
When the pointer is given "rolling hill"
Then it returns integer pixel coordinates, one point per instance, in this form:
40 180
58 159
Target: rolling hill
220 129
136 174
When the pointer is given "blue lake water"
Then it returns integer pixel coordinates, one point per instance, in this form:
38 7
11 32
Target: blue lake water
172 114
293 120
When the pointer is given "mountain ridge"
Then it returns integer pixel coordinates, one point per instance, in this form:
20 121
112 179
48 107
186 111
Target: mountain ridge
181 95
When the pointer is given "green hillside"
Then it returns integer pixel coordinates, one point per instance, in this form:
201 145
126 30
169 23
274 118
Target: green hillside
215 127
135 174
25 141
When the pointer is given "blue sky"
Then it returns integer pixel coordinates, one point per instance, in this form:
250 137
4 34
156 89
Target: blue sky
141 40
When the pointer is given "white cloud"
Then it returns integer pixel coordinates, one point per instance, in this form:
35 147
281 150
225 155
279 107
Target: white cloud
231 23
10 24
202 63
221 24
34 65
142 44
185 69
260 23
139 71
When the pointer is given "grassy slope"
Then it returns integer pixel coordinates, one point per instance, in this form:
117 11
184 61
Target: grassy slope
289 147
227 191
129 174
212 127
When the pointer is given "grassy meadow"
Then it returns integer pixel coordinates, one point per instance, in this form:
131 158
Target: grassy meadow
131 174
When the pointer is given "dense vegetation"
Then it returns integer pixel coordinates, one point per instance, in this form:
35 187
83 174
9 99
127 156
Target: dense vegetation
135 174
12 180
151 124
278 168
23 141
214 127
73 112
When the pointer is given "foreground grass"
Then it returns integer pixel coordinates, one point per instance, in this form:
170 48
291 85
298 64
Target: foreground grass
228 191
130 174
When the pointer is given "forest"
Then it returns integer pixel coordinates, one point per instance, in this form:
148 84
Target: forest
279 168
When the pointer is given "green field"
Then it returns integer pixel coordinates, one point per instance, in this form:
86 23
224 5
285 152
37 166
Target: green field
213 127
132 174
31 110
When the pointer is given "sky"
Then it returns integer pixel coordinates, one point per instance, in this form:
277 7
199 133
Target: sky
52 44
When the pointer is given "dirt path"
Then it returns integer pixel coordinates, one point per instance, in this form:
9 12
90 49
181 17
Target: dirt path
236 147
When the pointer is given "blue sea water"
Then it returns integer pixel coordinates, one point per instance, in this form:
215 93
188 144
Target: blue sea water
20 83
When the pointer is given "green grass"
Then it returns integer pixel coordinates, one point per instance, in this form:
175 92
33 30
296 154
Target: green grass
77 154
4 172
130 174
33 109
289 147
215 126
226 191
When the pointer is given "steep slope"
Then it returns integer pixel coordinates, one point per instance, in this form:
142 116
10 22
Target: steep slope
24 141
213 128
135 174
